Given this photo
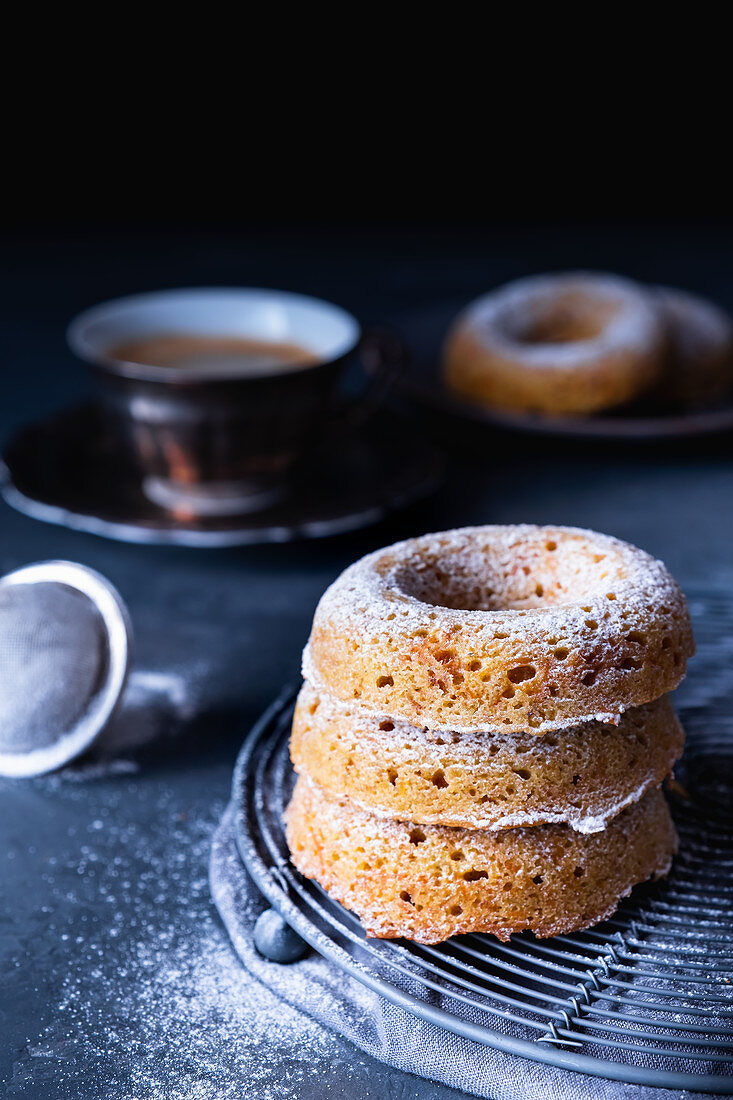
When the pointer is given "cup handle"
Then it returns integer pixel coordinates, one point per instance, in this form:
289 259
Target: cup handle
384 357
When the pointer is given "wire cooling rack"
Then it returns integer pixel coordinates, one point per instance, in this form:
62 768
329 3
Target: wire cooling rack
645 997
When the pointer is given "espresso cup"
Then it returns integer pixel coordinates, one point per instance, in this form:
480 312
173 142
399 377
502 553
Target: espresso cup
220 437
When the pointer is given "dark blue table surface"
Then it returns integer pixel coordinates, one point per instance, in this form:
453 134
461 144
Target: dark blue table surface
116 979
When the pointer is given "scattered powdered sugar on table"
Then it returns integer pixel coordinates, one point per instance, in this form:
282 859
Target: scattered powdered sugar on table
149 988
202 1021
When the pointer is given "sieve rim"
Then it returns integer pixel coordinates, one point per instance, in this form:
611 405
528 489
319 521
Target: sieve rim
111 608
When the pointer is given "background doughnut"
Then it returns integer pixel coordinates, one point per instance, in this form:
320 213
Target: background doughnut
564 344
698 362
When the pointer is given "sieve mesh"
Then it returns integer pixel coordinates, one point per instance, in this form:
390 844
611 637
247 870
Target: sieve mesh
53 655
65 642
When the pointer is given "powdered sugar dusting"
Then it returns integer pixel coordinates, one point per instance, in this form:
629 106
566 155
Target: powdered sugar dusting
499 319
366 593
469 589
580 824
146 986
582 777
636 845
484 634
395 834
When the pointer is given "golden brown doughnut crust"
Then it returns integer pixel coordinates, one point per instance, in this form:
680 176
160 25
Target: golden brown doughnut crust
431 882
564 344
582 776
507 628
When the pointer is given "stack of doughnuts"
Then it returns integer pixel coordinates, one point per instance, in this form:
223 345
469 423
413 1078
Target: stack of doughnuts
483 732
577 343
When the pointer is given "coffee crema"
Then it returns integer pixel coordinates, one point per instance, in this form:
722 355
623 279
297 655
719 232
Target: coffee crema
220 355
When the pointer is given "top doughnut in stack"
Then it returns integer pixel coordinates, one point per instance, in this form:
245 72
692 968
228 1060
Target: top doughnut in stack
484 729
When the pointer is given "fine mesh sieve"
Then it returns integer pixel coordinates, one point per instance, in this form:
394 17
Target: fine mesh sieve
65 643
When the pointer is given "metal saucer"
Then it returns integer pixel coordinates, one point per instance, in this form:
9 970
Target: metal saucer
70 470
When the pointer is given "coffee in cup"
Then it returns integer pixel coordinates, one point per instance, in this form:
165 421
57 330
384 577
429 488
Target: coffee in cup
224 356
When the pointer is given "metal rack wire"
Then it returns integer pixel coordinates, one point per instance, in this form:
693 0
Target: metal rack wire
645 997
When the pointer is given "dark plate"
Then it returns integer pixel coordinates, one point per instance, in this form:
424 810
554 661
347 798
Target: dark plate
68 470
425 331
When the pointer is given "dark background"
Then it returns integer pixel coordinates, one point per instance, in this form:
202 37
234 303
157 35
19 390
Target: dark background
115 976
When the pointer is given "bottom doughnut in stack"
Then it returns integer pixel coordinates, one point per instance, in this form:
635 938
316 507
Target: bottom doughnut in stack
429 882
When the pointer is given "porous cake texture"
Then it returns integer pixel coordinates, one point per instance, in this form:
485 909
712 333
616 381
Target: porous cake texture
484 729
430 882
501 628
582 776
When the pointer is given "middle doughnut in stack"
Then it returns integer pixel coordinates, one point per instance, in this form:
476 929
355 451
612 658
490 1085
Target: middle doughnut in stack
495 694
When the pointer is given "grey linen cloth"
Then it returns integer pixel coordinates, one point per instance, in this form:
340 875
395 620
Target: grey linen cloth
382 1030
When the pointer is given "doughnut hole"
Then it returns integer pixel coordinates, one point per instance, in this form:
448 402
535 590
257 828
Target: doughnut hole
478 576
564 318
